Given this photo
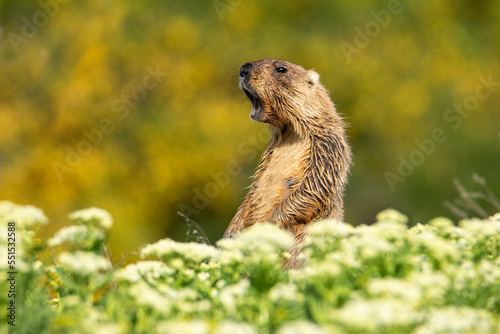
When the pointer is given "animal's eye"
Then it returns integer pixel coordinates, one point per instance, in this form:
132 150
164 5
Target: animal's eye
281 69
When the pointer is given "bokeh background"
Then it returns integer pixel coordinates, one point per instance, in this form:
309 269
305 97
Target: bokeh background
134 107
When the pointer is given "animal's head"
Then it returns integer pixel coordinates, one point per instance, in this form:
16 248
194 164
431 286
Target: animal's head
278 90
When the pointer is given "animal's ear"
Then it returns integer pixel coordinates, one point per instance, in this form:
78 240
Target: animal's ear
312 78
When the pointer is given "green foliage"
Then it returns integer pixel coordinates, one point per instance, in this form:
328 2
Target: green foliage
383 278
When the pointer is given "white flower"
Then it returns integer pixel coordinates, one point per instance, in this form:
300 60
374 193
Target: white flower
482 228
464 275
229 257
7 208
389 230
106 328
371 248
285 292
23 215
184 327
484 234
395 288
210 266
150 271
369 244
457 321
377 315
204 276
261 244
441 249
301 327
220 284
264 237
147 296
92 216
187 294
462 239
490 272
330 229
441 223
229 294
174 263
232 327
433 286
393 216
347 258
96 322
325 236
321 271
83 263
77 235
168 249
190 307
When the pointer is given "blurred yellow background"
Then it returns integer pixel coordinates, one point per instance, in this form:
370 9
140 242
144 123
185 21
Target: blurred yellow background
134 106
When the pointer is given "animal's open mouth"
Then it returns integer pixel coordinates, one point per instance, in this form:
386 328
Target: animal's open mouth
256 102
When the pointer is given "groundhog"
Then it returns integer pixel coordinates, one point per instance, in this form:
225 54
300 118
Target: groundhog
304 168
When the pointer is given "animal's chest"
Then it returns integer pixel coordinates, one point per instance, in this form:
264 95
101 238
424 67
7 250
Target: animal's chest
283 174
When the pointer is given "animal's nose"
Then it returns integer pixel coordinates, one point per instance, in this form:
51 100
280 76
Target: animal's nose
245 69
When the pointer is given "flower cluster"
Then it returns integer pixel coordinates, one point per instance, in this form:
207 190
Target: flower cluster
81 266
385 277
25 216
168 250
27 219
92 216
149 271
78 237
83 263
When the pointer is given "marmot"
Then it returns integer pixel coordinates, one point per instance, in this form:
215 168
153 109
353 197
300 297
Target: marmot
304 168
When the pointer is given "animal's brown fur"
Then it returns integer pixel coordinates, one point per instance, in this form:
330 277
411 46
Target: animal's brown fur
303 171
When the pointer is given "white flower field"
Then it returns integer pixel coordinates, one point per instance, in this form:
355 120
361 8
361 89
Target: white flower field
387 277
